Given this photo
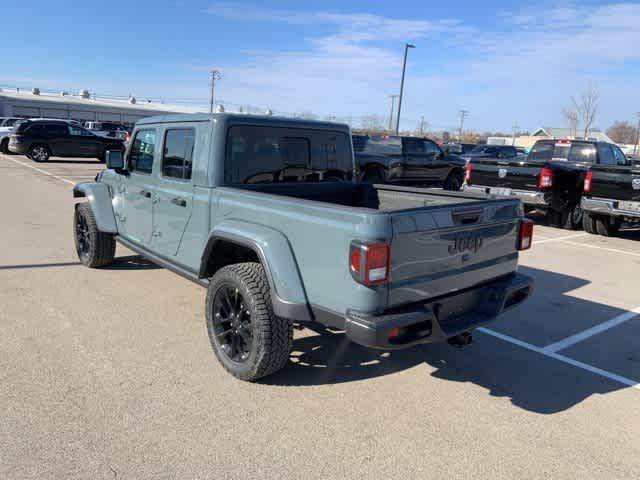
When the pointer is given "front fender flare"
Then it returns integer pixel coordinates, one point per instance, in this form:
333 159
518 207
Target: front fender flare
100 200
274 251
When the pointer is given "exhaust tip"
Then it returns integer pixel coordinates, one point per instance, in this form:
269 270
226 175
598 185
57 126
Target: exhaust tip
461 340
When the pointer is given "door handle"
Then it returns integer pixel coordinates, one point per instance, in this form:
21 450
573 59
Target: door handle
181 202
145 193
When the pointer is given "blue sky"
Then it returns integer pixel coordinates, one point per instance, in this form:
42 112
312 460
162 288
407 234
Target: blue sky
505 62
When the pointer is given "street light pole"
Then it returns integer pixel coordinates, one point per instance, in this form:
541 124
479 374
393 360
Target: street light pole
407 46
393 102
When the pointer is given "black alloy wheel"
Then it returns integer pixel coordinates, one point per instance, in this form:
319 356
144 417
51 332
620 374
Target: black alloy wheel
83 236
232 324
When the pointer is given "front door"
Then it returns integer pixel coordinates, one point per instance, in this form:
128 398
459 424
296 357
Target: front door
139 187
175 190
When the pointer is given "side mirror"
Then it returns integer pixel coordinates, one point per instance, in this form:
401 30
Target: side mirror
114 159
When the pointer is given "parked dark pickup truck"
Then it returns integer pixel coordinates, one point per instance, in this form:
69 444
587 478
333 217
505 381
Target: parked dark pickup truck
550 178
611 197
407 161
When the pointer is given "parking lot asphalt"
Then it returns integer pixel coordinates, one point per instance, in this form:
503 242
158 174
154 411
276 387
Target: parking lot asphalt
108 374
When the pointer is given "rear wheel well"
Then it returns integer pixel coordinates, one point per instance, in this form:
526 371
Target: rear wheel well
224 252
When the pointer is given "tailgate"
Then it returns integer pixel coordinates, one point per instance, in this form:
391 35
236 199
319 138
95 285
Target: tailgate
615 182
447 249
505 174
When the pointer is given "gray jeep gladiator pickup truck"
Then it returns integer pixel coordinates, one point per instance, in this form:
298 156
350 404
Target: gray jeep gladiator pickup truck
266 214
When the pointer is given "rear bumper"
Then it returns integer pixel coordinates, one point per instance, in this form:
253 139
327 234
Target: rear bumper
604 206
527 197
17 147
440 319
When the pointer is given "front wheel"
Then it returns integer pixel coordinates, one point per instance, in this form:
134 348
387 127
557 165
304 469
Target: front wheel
94 248
249 340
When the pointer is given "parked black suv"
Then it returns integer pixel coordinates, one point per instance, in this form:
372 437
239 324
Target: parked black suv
41 139
406 161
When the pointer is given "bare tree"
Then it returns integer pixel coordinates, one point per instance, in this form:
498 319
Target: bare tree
586 106
373 123
622 132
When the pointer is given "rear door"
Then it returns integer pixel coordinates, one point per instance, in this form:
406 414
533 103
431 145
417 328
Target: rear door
84 143
440 250
174 195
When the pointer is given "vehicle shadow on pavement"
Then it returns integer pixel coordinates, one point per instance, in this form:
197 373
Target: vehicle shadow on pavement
530 380
75 162
28 266
131 262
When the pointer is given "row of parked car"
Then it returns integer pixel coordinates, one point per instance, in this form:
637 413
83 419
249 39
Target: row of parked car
41 139
575 183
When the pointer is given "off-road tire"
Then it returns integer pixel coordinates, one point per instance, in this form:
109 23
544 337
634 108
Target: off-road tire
35 155
605 228
572 217
555 218
372 175
272 336
589 223
454 182
101 245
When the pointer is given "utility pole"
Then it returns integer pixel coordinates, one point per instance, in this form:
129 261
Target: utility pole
422 125
463 115
407 46
516 128
213 76
393 102
635 147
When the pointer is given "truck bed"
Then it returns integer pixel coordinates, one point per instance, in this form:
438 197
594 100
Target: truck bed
385 198
440 241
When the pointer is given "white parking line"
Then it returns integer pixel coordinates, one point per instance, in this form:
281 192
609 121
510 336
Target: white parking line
570 361
39 170
590 332
614 250
559 239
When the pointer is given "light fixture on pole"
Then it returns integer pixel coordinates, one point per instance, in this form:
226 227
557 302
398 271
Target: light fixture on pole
407 46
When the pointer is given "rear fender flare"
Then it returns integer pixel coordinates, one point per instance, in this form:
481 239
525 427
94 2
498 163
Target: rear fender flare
99 197
288 296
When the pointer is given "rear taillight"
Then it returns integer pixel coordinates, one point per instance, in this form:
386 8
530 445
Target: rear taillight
525 234
588 178
545 178
467 173
369 262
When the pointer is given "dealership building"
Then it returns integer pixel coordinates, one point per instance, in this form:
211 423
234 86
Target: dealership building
81 107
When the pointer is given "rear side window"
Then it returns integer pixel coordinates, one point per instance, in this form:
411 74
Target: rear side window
619 156
177 157
57 130
142 151
605 155
414 146
583 152
378 145
258 154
